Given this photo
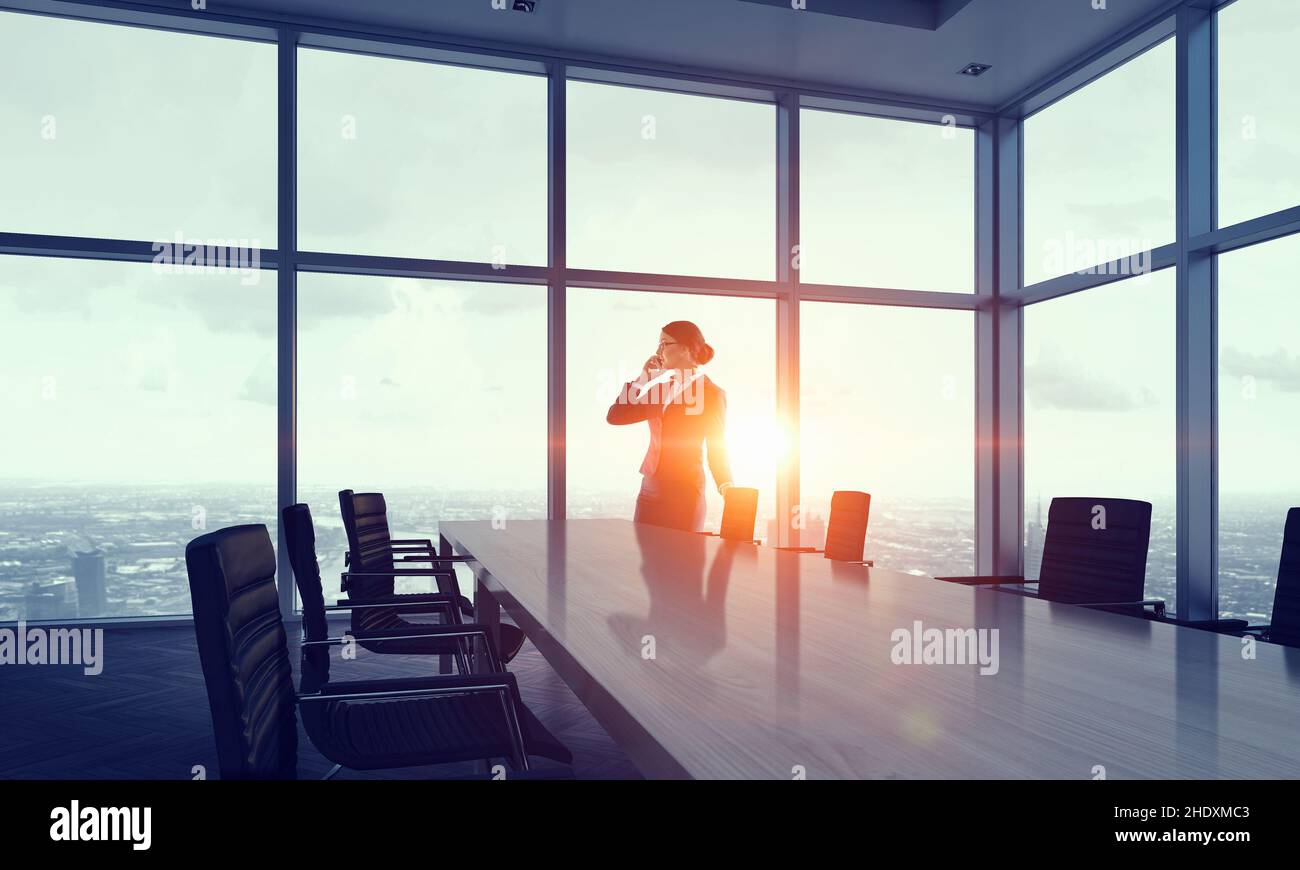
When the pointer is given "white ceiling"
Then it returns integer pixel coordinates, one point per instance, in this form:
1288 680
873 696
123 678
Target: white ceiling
1024 40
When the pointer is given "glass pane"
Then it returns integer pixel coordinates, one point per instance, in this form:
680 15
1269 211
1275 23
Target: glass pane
1100 405
1259 158
131 133
611 334
878 196
431 392
1099 171
1259 416
147 416
411 159
673 183
888 407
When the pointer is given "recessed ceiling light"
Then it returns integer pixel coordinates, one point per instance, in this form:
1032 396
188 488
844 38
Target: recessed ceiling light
974 69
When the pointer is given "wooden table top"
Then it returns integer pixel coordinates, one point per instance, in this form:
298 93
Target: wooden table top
769 664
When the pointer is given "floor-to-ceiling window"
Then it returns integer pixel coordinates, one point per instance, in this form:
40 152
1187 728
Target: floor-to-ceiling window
887 393
1099 364
1258 350
140 396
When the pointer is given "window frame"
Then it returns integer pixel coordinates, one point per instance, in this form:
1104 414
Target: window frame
998 301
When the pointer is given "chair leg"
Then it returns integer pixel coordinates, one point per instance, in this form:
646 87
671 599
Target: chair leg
333 770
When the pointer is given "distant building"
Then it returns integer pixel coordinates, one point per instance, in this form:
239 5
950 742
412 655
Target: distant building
49 599
91 576
1034 544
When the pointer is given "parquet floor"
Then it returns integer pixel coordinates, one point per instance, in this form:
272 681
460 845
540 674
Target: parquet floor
146 716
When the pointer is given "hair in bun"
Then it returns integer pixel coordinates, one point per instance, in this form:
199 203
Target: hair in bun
689 334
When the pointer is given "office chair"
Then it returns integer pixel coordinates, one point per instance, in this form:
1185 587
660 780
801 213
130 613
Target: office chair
373 559
1284 628
300 536
362 724
1100 567
739 513
846 530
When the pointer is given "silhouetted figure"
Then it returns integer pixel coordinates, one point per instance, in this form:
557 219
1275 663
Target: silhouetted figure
687 413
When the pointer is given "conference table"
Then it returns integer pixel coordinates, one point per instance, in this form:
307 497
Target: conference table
705 658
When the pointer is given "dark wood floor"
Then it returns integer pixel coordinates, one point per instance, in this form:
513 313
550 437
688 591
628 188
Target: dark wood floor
146 716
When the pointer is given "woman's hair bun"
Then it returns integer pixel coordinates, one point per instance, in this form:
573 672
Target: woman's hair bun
689 334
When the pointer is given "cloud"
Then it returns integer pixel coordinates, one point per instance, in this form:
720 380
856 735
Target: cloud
1054 384
260 385
498 299
1279 368
154 380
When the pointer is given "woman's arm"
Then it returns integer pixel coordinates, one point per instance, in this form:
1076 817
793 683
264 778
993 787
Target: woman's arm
633 404
627 407
716 442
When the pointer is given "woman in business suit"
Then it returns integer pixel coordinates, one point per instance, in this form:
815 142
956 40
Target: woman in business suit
687 413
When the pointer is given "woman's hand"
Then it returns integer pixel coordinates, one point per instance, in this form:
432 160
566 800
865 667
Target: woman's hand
653 364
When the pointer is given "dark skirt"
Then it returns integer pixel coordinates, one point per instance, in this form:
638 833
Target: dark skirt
671 504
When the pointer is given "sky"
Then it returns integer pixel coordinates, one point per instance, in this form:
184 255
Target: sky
122 373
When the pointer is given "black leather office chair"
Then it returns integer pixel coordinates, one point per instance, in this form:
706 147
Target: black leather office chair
375 560
739 513
1284 628
361 724
300 537
1088 562
846 529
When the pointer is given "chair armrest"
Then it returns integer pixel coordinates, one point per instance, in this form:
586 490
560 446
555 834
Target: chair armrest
799 549
397 600
422 632
423 542
986 580
406 604
445 683
719 535
1158 603
398 572
433 557
1220 625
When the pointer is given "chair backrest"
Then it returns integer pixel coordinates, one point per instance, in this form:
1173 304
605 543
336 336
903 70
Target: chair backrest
243 652
300 536
365 520
1095 550
1286 595
846 530
739 512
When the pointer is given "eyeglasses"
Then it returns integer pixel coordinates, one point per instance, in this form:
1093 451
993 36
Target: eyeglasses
665 342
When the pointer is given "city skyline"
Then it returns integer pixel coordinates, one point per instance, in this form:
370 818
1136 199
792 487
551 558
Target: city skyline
142 531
